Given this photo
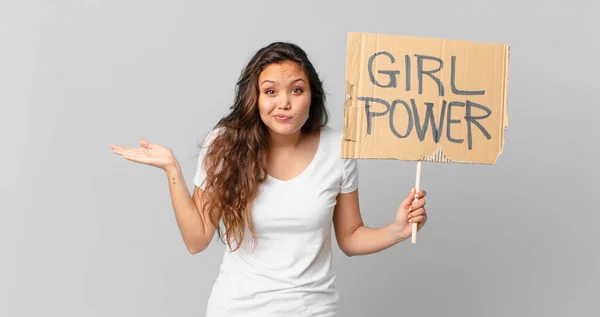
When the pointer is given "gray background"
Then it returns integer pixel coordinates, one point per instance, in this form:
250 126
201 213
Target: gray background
84 232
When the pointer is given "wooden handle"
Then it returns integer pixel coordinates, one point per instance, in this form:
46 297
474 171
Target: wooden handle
417 187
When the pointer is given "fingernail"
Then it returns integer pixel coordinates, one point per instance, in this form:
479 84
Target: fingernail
410 220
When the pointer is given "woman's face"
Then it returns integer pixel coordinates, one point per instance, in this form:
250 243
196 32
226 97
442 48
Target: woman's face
284 97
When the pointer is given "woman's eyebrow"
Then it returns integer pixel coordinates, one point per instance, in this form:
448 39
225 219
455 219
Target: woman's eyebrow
268 81
275 82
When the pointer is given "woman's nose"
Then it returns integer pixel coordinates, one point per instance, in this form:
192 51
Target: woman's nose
284 102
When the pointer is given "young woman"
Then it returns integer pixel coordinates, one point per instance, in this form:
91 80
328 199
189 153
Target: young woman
271 182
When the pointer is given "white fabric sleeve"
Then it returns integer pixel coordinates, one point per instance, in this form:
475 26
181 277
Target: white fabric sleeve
349 176
200 172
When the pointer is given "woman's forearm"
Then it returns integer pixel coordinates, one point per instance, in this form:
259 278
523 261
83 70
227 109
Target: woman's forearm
366 240
189 221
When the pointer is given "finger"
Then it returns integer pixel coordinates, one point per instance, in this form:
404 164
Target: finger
416 212
117 151
145 144
124 149
128 153
422 223
136 157
417 219
115 146
409 198
417 203
420 194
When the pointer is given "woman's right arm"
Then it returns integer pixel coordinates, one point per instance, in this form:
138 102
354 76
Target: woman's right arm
193 222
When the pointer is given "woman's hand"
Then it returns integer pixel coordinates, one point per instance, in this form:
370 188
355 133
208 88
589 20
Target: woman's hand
150 154
409 212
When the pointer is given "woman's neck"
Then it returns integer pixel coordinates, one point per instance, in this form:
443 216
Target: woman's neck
289 142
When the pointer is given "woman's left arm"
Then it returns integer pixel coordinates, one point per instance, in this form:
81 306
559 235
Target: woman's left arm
354 238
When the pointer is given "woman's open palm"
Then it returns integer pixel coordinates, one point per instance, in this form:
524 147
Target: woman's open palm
150 154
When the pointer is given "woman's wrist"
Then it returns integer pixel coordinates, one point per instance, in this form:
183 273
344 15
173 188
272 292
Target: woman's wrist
397 232
172 168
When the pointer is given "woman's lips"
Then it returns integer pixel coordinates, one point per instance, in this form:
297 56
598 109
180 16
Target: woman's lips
282 118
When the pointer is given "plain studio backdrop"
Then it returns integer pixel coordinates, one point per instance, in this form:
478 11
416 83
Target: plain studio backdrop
84 232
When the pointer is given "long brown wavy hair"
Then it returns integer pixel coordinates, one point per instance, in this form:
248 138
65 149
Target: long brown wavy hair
236 160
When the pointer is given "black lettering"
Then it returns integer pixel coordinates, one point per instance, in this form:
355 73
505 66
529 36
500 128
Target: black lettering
450 120
429 73
437 126
473 120
429 117
410 119
455 90
407 65
370 114
392 73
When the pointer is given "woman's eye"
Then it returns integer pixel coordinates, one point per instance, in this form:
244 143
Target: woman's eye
298 90
270 91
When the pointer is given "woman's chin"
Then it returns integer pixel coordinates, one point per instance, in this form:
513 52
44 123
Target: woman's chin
286 128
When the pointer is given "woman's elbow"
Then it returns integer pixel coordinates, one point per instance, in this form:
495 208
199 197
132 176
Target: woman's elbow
347 251
194 250
197 246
